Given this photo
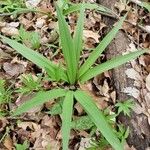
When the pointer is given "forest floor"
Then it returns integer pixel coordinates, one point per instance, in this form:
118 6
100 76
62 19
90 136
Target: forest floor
39 128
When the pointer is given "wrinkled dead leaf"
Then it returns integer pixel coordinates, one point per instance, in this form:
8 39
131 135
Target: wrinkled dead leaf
132 91
13 69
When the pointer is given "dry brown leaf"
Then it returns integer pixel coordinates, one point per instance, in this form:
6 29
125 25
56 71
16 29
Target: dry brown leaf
122 6
10 31
25 125
13 69
79 109
32 3
3 123
85 143
8 143
148 82
90 34
133 74
147 99
3 55
101 104
40 22
132 91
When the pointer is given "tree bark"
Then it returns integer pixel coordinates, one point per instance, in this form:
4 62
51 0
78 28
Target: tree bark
139 134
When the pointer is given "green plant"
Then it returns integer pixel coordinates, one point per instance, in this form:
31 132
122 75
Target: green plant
5 94
125 107
72 73
23 146
15 7
11 5
30 39
30 83
101 144
146 5
82 123
122 133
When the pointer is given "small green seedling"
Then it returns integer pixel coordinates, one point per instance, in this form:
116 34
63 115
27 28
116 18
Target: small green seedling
101 144
15 7
30 84
5 94
7 6
23 146
122 133
30 39
72 73
125 107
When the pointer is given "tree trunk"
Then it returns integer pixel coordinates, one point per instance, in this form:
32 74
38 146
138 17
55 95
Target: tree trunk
139 134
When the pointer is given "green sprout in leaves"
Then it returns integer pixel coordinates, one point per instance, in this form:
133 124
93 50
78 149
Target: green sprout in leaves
30 39
30 83
7 6
99 144
23 146
5 93
125 107
122 133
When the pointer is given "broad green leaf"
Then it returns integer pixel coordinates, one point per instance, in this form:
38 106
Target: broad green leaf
78 38
39 99
98 118
66 118
146 5
101 47
34 56
77 7
110 64
67 47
